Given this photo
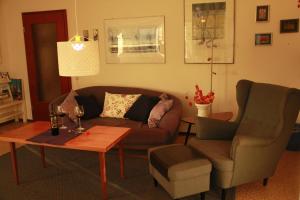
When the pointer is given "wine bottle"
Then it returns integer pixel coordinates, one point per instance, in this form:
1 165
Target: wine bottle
54 123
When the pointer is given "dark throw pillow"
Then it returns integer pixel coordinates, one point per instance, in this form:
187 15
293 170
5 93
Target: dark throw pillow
141 108
90 106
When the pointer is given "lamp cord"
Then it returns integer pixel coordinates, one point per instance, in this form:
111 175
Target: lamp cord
76 21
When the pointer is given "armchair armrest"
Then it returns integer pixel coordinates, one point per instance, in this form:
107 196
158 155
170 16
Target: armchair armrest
213 129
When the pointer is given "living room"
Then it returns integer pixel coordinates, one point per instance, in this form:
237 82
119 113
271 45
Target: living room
276 63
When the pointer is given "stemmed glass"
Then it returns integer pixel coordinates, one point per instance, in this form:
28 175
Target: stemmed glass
61 113
79 112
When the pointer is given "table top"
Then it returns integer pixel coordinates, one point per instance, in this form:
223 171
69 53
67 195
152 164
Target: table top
97 138
225 116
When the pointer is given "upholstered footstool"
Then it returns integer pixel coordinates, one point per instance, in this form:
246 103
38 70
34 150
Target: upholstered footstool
180 170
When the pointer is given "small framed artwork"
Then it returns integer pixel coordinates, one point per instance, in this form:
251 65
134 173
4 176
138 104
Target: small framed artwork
16 88
262 13
263 38
289 26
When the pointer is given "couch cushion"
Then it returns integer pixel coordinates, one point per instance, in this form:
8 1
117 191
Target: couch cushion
217 151
158 111
145 136
178 162
116 105
106 121
141 108
69 104
140 134
90 106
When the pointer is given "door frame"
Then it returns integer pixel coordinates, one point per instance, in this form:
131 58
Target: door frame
41 17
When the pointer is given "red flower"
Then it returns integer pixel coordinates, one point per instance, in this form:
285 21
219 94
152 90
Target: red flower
199 98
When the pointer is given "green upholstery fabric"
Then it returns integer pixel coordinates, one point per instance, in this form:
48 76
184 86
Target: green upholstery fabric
189 169
188 172
264 112
164 158
260 133
218 151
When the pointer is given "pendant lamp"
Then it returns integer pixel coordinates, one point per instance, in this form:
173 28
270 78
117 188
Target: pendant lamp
78 57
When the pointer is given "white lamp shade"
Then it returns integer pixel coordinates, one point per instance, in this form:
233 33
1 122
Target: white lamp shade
78 63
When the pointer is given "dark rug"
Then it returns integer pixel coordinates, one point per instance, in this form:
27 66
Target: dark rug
73 175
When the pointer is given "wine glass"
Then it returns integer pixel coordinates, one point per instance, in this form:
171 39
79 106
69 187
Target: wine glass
79 112
61 113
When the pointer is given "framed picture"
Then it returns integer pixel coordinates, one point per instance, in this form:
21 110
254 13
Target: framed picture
262 13
16 88
263 38
4 77
209 30
135 40
289 26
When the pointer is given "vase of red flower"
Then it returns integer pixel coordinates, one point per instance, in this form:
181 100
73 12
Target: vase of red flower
203 102
203 109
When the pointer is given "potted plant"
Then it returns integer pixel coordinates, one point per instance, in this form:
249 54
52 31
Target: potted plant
202 102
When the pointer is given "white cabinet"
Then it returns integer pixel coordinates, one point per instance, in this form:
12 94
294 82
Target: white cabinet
9 108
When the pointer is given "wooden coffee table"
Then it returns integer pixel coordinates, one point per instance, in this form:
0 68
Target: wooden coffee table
98 138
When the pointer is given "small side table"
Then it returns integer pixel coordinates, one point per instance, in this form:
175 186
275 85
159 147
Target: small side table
225 116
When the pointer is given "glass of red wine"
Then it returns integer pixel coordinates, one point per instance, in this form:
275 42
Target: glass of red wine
61 113
79 112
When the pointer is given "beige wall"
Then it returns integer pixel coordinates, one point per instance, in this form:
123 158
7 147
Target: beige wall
279 63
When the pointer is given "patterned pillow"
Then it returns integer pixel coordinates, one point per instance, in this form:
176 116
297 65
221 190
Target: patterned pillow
116 105
158 111
69 104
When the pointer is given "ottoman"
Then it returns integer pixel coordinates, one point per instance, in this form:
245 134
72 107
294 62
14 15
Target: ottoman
180 170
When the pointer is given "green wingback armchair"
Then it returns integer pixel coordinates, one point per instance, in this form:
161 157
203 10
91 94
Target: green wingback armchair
249 148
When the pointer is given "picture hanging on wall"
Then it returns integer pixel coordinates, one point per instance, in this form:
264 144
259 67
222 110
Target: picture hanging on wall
263 38
262 13
4 77
135 40
289 26
209 31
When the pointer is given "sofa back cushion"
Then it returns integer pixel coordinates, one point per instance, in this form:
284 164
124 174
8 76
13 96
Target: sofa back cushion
69 104
116 105
90 106
141 109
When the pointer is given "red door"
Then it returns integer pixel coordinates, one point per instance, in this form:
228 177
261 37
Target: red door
41 32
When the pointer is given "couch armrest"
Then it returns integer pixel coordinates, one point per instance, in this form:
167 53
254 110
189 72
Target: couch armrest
171 120
213 129
57 101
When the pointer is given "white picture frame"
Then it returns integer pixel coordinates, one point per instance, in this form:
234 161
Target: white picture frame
209 23
135 40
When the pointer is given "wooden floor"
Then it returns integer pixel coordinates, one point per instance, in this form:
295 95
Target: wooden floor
284 185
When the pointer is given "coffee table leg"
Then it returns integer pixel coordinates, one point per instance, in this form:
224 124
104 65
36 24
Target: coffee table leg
14 163
121 155
42 150
103 174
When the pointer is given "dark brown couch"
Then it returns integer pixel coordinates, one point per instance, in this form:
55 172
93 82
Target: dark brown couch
141 136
